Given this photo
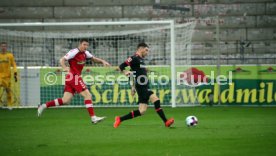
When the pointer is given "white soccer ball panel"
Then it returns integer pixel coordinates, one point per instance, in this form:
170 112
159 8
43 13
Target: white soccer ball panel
191 120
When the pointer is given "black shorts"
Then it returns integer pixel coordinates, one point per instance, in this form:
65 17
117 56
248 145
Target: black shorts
144 94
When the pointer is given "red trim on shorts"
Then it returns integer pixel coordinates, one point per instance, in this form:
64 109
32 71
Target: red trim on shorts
132 114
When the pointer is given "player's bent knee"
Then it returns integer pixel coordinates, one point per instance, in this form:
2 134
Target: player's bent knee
142 111
88 96
153 98
66 101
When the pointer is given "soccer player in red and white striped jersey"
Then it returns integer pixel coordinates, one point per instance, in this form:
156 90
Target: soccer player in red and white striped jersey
74 83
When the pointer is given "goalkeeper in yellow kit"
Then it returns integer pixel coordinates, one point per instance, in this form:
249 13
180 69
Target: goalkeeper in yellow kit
6 62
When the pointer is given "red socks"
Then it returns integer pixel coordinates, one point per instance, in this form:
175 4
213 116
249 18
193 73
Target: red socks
89 107
56 102
59 102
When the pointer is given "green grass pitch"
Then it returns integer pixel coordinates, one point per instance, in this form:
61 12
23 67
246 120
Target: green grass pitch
227 131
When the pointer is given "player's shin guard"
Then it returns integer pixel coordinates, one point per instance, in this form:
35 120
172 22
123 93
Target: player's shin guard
131 115
89 107
159 110
53 103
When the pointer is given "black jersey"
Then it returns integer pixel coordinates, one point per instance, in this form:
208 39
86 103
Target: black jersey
138 67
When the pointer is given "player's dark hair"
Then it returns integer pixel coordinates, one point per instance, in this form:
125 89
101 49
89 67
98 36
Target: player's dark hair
144 45
84 40
3 42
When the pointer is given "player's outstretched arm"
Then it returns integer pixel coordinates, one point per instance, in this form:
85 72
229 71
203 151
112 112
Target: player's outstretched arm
98 60
122 69
14 67
63 65
130 75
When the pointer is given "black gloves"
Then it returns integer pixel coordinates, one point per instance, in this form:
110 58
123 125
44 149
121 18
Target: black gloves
15 76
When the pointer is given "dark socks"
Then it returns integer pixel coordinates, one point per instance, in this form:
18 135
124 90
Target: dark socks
159 110
131 115
136 113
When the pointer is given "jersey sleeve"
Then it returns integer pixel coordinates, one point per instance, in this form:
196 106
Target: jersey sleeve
71 54
13 64
88 54
131 61
123 66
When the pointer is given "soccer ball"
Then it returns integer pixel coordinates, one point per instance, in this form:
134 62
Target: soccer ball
191 121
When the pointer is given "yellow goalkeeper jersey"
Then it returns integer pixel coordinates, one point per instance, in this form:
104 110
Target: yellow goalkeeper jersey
6 62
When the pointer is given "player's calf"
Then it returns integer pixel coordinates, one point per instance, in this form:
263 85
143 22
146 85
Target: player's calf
53 103
130 115
161 114
142 108
89 106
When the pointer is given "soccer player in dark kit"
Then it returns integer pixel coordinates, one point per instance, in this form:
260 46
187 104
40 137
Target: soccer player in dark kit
141 85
